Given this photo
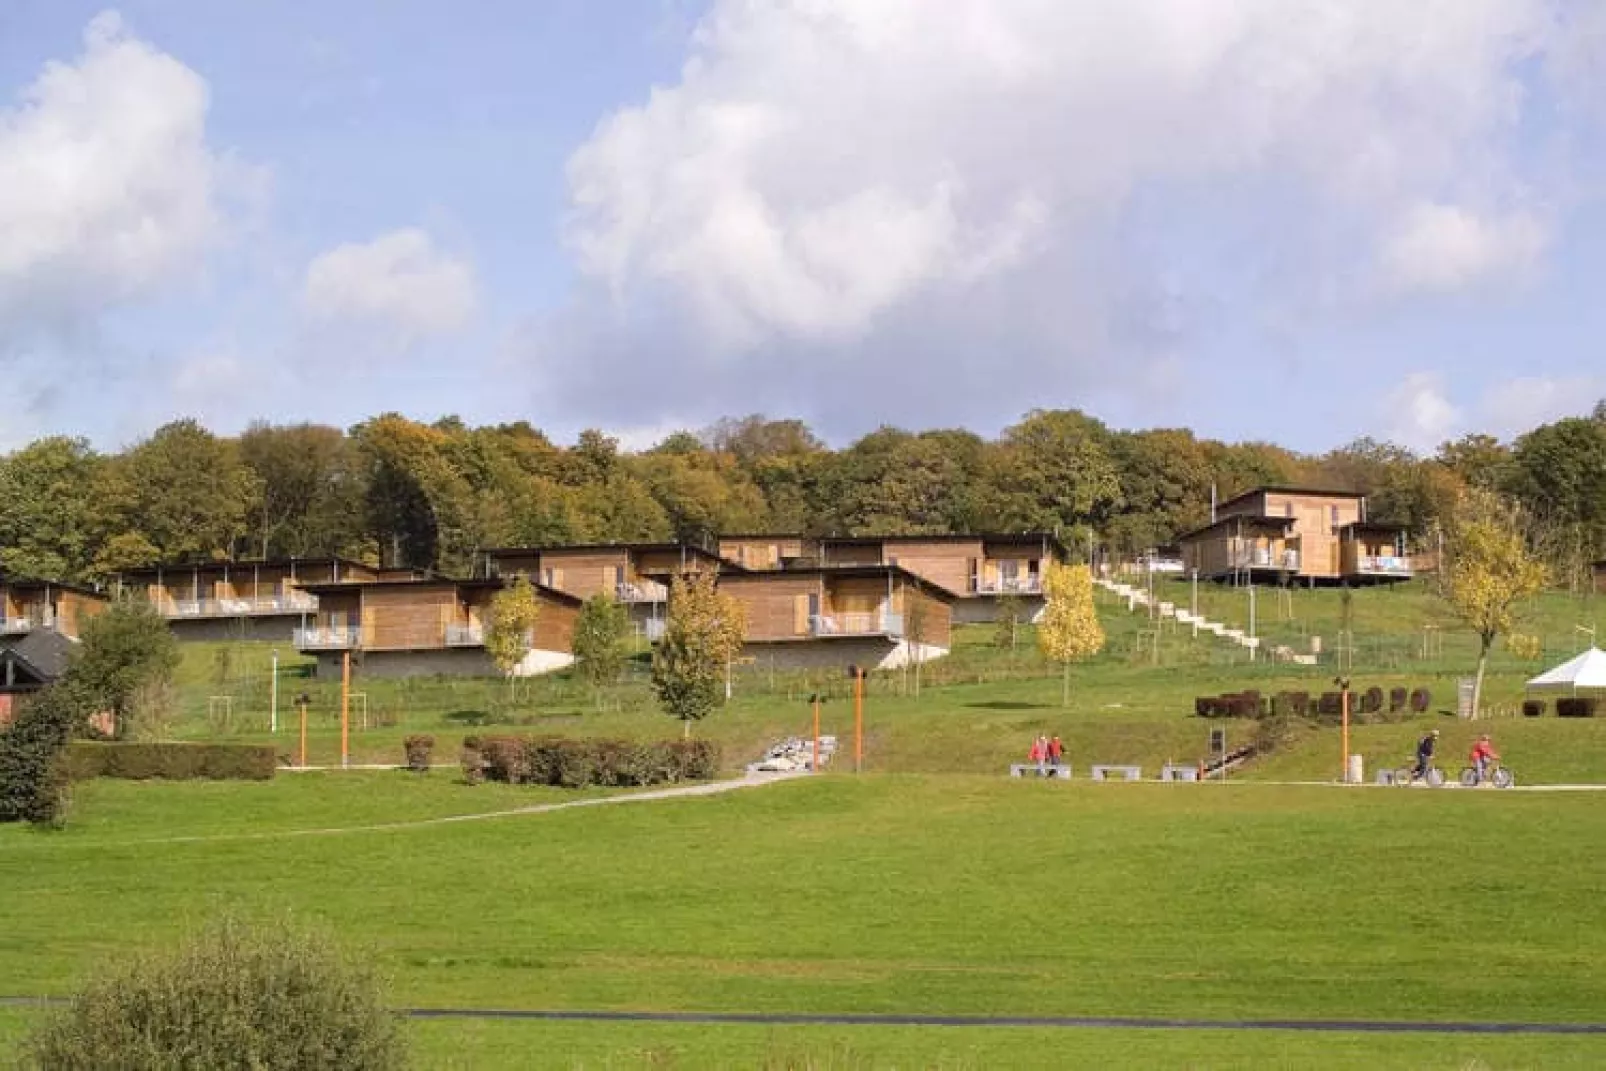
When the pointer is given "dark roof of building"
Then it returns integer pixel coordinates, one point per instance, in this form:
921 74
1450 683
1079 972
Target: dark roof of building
1283 489
945 537
1372 528
688 548
1237 518
493 583
43 650
851 571
271 563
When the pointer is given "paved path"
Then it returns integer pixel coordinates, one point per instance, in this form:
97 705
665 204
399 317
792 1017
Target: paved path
702 788
1050 1022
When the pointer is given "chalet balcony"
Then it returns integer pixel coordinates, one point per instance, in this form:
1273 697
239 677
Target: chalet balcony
877 623
1265 558
1019 585
328 638
1383 565
641 591
18 626
295 603
465 636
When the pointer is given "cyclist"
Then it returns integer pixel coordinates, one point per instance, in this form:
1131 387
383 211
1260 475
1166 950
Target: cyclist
1483 753
1424 755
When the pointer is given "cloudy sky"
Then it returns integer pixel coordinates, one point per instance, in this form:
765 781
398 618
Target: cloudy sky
1303 220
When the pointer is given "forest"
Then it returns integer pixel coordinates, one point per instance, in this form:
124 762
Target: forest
397 492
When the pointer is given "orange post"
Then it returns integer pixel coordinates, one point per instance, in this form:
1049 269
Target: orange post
1343 766
345 708
816 767
303 705
858 718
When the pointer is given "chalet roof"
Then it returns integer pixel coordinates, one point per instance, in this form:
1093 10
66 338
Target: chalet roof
1236 519
494 583
1371 528
43 652
1283 489
944 537
860 572
267 563
640 548
28 583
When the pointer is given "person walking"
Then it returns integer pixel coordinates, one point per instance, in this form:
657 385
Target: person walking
1056 751
1039 754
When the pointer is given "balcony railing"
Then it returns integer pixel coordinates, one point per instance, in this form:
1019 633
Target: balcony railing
1383 565
1017 585
878 623
1265 558
243 607
328 638
641 591
465 636
16 626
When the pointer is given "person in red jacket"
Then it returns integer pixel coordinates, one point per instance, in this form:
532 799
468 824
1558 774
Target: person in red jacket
1483 753
1038 754
1056 751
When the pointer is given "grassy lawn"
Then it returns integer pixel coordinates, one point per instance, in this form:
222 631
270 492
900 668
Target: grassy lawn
930 894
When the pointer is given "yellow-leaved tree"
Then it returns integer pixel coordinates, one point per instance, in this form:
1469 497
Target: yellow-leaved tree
1490 572
703 634
514 611
1069 629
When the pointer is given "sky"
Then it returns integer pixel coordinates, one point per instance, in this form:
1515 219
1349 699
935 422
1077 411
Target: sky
1296 220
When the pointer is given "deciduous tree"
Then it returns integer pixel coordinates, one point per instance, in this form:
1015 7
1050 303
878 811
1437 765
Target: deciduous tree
599 639
702 636
1490 572
125 650
510 633
1069 629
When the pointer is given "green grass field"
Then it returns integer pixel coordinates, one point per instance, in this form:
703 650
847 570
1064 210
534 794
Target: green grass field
933 885
929 894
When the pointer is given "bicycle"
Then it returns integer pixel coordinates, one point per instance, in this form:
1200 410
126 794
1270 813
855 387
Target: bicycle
1406 775
1497 775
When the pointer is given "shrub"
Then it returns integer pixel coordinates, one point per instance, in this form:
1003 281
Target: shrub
1576 707
33 772
1397 700
88 759
1300 703
1533 708
694 760
1204 707
472 760
1372 701
555 760
232 997
1421 699
1330 704
418 749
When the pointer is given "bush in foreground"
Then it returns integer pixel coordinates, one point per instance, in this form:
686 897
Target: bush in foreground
33 775
88 759
235 997
555 760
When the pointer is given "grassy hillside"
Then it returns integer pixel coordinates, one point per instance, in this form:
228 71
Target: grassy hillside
976 709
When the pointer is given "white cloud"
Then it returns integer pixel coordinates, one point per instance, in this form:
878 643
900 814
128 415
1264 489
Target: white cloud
831 181
1418 413
400 282
1441 247
1518 405
108 187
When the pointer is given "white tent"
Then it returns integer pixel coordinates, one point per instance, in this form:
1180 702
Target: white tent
1588 670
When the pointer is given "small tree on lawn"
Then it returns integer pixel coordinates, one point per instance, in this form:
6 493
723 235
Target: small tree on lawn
514 611
1010 615
125 652
599 640
703 634
1069 628
1490 572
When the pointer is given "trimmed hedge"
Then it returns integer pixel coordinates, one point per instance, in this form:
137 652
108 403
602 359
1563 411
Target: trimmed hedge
1370 703
88 759
1533 708
1576 707
556 760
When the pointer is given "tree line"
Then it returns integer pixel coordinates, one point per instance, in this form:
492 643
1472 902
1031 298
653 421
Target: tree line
398 492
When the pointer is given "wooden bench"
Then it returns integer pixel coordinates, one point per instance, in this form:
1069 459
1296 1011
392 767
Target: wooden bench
1173 772
1129 773
1029 769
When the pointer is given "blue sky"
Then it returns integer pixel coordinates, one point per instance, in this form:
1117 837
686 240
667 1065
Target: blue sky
1304 223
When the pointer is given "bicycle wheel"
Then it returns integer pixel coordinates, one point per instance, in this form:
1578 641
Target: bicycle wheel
1469 777
1435 777
1504 778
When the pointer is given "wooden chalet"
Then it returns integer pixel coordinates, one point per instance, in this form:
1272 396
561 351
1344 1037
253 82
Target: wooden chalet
874 616
33 605
427 627
252 600
1282 534
29 660
978 568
